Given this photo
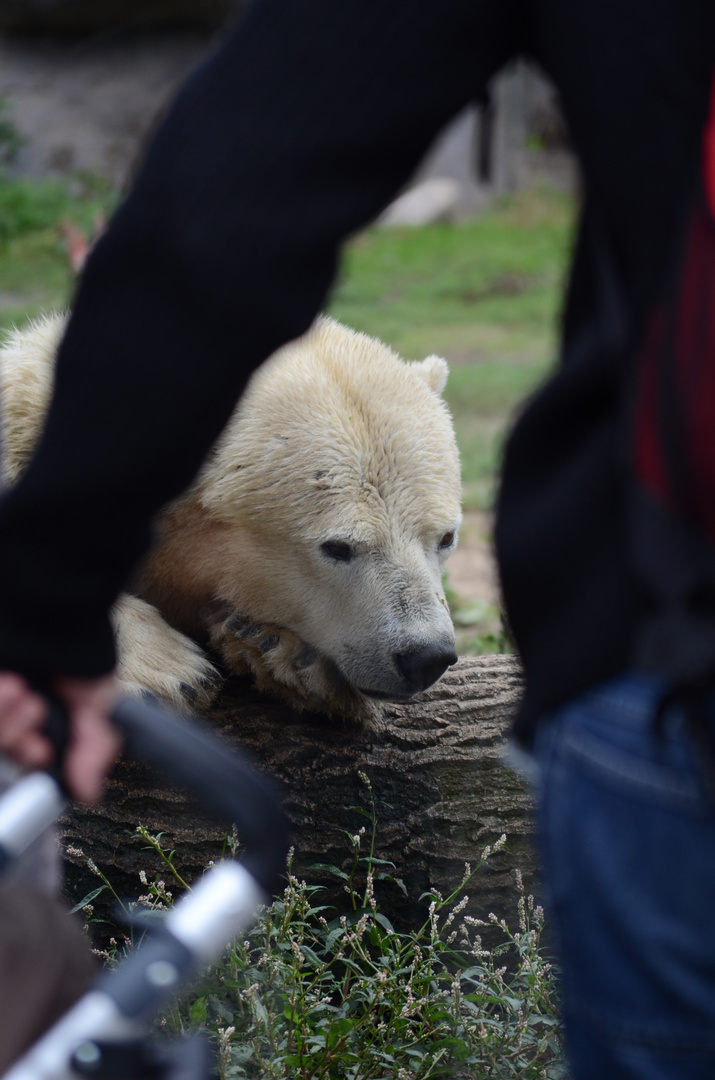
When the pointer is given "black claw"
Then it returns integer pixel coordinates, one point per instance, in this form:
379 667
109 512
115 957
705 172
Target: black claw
189 691
243 627
306 657
269 643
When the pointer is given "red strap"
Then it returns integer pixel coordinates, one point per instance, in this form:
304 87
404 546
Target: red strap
709 154
675 401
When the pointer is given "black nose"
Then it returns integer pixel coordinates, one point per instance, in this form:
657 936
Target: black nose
421 667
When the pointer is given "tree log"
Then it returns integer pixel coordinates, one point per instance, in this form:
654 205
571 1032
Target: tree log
441 794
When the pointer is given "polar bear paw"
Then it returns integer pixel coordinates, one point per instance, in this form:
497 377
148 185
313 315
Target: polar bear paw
156 658
284 665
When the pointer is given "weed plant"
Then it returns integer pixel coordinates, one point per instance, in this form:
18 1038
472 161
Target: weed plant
314 994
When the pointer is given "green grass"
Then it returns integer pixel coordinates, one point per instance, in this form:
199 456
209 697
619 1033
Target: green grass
34 270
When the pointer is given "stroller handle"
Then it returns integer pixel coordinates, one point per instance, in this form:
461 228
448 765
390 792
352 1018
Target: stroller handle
115 1012
188 754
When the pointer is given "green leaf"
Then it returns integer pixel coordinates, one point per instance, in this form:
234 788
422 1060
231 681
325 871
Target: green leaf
241 1053
88 899
384 922
327 868
198 1011
221 1009
311 955
395 881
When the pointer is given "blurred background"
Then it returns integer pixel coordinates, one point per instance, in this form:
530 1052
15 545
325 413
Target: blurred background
465 265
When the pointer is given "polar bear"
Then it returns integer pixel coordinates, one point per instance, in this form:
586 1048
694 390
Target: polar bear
309 550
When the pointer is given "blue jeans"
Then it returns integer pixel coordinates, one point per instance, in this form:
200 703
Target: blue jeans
628 844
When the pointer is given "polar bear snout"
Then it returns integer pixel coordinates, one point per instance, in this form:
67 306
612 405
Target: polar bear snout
423 666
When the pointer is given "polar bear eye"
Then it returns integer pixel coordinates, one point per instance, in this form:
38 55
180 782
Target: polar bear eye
337 550
446 541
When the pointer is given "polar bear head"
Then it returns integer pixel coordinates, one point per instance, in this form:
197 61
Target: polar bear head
334 500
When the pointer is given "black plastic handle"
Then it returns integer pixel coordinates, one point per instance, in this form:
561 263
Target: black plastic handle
57 730
188 754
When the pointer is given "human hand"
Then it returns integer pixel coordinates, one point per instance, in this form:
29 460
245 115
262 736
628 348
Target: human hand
93 743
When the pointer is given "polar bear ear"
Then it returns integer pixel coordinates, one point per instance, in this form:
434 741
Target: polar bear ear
434 370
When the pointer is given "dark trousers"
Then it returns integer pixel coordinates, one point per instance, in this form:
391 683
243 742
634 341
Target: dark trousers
628 834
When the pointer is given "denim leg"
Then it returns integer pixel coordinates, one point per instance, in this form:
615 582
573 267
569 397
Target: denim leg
628 844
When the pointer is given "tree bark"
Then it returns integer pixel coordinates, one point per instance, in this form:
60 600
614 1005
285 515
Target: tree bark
440 789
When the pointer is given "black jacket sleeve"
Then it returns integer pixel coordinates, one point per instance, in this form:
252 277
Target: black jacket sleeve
294 134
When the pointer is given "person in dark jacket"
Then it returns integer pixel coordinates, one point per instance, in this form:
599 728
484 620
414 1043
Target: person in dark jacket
295 133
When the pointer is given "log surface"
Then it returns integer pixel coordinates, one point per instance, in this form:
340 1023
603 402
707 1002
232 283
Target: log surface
435 765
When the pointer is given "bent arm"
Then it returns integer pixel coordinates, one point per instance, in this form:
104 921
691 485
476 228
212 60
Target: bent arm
294 134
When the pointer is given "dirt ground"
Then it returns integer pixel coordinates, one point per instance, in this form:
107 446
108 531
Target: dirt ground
473 587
